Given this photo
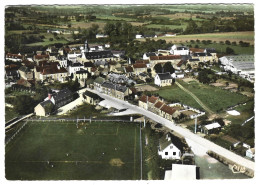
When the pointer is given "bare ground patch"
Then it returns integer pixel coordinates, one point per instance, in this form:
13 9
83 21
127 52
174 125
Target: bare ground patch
116 162
146 88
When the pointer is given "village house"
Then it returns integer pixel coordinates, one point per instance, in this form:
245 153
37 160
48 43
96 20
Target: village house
92 98
11 72
74 67
44 108
147 102
146 62
146 56
181 65
203 57
26 73
163 79
97 83
88 66
14 57
193 62
177 74
63 61
169 113
139 68
73 55
174 59
213 52
81 75
25 83
50 71
38 58
115 90
128 71
157 107
61 98
179 50
167 149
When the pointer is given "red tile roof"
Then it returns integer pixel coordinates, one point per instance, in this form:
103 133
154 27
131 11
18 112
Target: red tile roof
143 99
194 50
142 62
159 104
50 68
168 109
140 65
10 55
168 57
181 62
152 99
129 69
41 56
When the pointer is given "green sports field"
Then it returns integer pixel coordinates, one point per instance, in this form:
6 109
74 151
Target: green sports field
61 151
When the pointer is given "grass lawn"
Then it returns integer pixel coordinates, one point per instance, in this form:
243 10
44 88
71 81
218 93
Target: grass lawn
10 114
246 112
26 156
85 110
174 94
214 98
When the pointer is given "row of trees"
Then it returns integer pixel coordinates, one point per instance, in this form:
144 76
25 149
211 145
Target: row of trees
218 25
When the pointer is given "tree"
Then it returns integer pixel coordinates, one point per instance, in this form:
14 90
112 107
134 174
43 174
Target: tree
24 104
229 51
50 39
227 42
49 108
158 68
168 68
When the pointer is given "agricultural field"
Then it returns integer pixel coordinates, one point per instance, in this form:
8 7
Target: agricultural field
210 96
247 36
215 98
61 151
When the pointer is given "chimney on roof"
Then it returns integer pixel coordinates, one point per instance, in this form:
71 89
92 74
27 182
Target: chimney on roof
49 94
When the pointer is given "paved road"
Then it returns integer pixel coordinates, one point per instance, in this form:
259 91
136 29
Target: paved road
195 98
208 145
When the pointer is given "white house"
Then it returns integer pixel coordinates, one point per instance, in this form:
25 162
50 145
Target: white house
250 153
74 67
170 35
163 79
177 74
73 56
167 150
101 36
138 36
179 50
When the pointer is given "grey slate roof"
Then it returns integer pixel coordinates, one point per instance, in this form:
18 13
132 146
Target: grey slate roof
210 50
45 103
164 76
24 69
77 64
194 59
88 64
61 95
93 95
110 85
201 54
98 54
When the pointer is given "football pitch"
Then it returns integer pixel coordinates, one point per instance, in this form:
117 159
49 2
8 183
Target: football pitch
61 151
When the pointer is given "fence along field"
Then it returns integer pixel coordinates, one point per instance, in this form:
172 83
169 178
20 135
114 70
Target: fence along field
61 151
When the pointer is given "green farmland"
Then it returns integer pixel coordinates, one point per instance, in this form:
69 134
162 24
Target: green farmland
60 151
214 98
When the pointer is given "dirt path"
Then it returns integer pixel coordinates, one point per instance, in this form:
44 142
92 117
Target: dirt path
195 98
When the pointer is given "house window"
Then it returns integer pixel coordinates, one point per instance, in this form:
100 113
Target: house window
171 147
174 153
166 153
